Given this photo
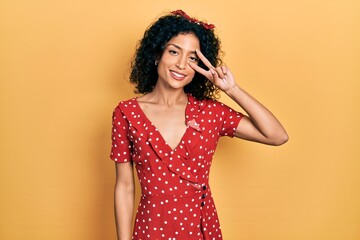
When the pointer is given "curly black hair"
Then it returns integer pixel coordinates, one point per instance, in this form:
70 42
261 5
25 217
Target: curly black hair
143 70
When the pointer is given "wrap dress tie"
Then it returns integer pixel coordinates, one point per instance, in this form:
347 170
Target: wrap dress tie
176 201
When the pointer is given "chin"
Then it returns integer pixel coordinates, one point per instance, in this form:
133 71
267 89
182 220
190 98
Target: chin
179 83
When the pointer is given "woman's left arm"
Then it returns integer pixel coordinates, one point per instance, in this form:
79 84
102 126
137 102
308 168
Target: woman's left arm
260 125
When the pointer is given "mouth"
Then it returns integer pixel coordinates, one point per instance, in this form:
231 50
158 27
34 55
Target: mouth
177 76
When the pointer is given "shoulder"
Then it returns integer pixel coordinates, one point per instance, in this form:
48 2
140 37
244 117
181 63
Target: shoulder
124 106
127 102
131 102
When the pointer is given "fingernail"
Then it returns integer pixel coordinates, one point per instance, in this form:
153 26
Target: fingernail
212 71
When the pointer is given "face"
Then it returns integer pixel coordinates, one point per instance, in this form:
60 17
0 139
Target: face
173 69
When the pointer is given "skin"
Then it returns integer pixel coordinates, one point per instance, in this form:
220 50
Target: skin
165 108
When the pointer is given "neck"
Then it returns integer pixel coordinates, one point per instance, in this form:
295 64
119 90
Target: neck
168 97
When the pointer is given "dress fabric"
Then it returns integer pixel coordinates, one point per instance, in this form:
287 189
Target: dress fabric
176 201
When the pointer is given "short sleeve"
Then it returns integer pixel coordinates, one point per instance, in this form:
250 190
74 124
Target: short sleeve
230 120
121 146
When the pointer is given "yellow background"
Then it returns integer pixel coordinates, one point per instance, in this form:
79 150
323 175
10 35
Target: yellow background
65 65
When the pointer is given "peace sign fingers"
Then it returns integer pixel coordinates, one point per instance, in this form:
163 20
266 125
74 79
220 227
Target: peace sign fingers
219 76
202 71
209 74
204 59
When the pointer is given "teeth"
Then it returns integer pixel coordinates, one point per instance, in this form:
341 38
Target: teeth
178 74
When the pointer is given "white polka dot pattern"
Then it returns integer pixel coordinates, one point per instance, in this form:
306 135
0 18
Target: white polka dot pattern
176 201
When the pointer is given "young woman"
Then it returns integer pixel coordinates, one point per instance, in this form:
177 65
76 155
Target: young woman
171 131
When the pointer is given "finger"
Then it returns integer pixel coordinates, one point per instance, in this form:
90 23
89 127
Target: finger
200 70
225 70
220 72
216 78
228 73
204 59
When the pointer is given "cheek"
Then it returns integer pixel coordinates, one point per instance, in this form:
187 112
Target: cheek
192 73
161 69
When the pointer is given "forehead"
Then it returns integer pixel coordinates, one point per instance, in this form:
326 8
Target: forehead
186 41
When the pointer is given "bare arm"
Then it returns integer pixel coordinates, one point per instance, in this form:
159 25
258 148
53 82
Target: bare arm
124 200
261 125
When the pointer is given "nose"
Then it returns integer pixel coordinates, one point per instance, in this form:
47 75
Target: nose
181 64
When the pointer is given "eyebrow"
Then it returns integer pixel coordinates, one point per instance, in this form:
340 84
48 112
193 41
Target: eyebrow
178 47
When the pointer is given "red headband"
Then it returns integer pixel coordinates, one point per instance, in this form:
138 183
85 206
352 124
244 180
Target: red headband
194 20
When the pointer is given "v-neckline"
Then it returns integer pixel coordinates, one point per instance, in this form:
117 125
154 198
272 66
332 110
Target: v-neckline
156 130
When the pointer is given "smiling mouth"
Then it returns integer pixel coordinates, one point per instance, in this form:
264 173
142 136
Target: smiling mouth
177 76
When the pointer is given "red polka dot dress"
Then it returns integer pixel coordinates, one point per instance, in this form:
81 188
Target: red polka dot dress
176 201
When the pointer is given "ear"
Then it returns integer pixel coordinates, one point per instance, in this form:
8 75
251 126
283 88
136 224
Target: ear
157 58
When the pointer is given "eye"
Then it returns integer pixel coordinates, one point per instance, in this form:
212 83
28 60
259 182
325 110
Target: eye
173 52
194 59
